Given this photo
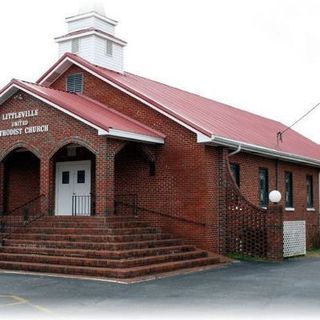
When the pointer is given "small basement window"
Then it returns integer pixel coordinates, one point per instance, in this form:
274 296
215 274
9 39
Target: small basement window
109 48
74 83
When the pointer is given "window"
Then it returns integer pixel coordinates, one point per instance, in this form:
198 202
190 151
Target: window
263 187
288 194
81 176
75 45
235 170
309 192
74 83
109 48
65 177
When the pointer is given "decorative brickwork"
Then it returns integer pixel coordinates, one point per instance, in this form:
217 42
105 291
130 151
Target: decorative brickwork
249 185
244 228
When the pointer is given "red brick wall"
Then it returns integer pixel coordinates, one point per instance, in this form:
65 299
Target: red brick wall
22 181
186 182
249 180
180 187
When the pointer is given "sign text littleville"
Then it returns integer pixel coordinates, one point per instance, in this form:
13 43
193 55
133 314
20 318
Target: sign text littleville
20 124
19 115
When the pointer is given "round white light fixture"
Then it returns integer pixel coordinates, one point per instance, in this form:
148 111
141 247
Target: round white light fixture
275 196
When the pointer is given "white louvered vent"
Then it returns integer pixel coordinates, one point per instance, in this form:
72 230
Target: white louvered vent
74 83
75 45
294 238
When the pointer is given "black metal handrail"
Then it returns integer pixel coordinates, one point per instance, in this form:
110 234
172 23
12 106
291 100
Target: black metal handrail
127 204
135 208
21 217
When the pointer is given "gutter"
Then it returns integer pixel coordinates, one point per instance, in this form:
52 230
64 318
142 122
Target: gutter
271 153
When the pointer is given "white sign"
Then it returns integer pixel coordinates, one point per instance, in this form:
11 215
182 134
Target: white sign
20 125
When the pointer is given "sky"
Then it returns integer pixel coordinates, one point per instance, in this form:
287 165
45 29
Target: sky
262 56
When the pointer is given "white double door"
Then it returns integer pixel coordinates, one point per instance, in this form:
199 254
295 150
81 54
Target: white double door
73 187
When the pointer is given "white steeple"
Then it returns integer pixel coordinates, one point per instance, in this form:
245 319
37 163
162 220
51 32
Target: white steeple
91 35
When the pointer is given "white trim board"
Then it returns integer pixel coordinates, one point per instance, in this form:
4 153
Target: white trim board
90 33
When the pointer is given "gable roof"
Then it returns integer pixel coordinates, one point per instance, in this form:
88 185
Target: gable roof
105 120
213 122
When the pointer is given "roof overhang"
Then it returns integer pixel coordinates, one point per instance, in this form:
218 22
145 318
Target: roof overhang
15 85
262 151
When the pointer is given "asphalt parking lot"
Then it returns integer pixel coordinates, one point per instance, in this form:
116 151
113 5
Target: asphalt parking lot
242 290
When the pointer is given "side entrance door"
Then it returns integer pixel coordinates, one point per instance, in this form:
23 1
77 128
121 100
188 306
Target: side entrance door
73 187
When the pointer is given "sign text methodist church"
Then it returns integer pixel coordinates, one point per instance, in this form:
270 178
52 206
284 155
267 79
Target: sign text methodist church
20 123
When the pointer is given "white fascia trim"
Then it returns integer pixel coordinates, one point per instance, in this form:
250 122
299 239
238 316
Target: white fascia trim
90 33
101 131
201 138
91 14
216 140
114 133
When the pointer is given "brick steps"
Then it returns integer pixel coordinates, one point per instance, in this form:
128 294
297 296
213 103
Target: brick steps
93 230
104 219
83 253
94 245
90 224
90 238
108 272
116 247
102 263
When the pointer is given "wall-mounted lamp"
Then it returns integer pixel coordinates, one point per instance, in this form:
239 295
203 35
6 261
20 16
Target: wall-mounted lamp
275 196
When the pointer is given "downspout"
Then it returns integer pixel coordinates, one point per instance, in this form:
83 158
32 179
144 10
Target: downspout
235 152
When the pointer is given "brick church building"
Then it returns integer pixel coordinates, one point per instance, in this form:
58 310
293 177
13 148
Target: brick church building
106 173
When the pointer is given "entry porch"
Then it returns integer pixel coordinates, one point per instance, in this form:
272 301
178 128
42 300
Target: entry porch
75 179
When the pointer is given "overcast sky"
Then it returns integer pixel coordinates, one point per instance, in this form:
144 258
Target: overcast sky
258 55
